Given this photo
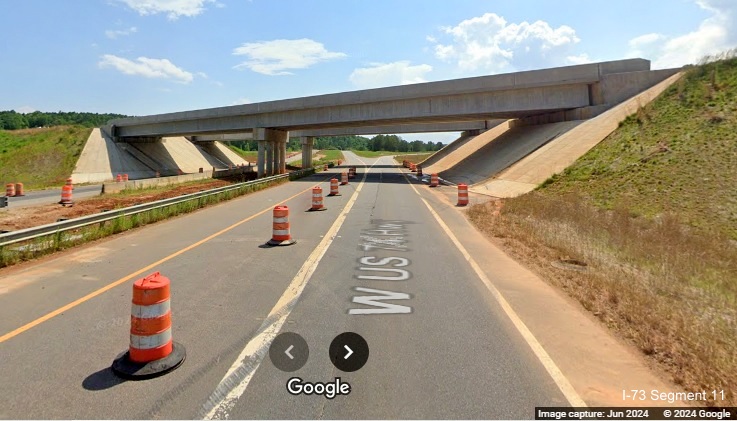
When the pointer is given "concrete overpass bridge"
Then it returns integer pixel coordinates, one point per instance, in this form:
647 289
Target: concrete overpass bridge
557 94
307 136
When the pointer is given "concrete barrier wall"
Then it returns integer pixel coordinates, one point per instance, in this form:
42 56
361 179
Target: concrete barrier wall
115 187
618 87
101 158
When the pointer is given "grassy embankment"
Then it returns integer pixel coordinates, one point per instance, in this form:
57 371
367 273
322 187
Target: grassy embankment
40 158
250 156
652 214
414 158
373 154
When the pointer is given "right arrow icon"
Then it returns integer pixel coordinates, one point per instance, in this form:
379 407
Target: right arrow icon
348 351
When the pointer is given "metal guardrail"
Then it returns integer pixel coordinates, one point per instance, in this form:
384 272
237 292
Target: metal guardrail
76 223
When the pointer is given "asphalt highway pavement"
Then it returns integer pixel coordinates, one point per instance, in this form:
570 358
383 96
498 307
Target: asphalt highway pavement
376 263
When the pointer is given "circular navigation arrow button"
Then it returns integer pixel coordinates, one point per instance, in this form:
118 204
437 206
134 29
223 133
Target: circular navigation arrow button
349 351
289 352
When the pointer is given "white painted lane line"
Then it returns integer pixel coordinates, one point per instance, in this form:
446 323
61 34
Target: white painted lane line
236 380
560 380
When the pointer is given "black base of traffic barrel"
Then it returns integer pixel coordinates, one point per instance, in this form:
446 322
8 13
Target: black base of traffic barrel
274 243
316 210
124 368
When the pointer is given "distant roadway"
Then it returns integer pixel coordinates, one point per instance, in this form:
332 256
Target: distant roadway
442 347
50 196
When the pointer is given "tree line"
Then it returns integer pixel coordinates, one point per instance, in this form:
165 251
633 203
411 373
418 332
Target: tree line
380 142
12 120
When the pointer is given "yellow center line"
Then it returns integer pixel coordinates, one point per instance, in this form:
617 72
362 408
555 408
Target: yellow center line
122 280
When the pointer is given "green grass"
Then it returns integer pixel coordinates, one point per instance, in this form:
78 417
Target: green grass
16 253
652 211
250 156
331 155
40 158
676 155
415 158
374 154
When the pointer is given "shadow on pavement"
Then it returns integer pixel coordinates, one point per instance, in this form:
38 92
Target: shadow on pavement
101 380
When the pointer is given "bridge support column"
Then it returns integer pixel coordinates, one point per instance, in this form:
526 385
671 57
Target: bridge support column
268 158
261 158
283 156
307 143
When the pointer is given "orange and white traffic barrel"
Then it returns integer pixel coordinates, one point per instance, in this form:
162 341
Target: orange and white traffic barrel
419 170
434 180
317 204
119 178
462 194
412 167
281 235
70 183
152 351
344 178
19 189
10 189
66 196
125 177
334 187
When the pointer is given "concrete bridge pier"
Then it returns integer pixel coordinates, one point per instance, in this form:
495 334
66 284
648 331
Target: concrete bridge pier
261 159
307 142
282 156
269 158
272 145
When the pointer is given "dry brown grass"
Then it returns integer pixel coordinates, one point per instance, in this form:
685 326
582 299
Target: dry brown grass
669 290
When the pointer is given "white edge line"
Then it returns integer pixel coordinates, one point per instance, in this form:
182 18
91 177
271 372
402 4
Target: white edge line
558 377
239 375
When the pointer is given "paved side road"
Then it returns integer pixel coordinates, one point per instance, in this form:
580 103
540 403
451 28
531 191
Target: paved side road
376 262
51 196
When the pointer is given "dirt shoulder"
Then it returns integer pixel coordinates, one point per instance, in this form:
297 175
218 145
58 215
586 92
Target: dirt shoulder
597 362
15 219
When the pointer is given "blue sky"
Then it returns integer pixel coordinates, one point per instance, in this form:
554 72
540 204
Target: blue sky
142 57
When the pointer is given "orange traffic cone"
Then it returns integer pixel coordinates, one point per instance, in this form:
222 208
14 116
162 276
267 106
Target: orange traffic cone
152 352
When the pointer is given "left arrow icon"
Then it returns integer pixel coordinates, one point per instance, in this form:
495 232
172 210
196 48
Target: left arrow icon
287 352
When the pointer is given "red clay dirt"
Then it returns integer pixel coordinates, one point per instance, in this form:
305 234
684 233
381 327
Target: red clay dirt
15 219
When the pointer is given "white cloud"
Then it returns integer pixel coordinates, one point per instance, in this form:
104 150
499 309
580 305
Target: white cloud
646 39
715 34
113 34
489 43
277 56
146 67
173 8
26 109
241 101
203 75
388 74
578 59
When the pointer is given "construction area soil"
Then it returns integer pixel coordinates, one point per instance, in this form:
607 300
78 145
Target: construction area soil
15 219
